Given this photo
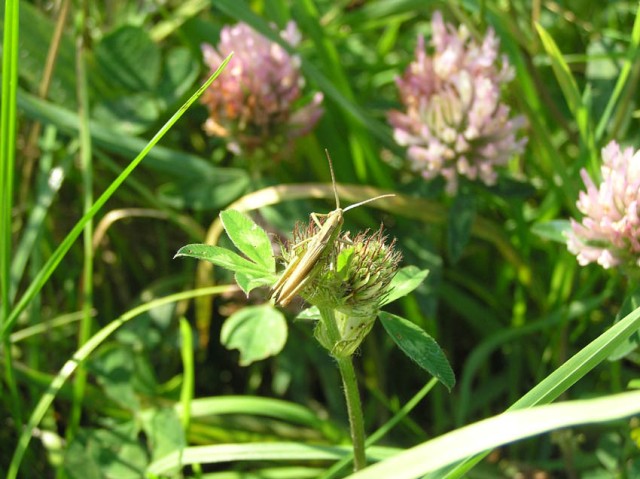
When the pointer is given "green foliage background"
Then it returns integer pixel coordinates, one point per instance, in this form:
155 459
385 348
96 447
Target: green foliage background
150 383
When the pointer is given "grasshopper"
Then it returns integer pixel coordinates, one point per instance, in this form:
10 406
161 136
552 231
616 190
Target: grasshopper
298 271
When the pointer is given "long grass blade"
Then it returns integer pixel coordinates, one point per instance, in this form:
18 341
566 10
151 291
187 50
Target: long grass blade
81 355
66 244
567 375
500 430
8 121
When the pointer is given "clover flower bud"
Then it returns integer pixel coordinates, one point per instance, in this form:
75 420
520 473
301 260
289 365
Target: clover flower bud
351 277
609 233
357 281
453 122
256 102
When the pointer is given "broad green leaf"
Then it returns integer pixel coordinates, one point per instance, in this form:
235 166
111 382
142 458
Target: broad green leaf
419 346
461 217
221 257
249 238
249 282
258 332
248 275
406 280
555 230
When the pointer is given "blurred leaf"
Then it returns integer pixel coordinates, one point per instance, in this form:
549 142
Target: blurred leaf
179 71
36 31
133 111
555 230
258 332
213 190
312 314
192 170
106 454
461 217
114 370
406 280
127 59
510 188
249 238
130 114
164 432
419 346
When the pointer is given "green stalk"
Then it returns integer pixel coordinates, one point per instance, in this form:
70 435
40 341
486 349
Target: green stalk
337 468
351 393
188 376
87 271
7 165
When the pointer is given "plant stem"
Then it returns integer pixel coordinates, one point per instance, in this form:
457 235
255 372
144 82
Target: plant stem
354 409
351 392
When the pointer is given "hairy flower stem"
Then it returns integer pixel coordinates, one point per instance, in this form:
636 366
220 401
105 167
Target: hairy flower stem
351 393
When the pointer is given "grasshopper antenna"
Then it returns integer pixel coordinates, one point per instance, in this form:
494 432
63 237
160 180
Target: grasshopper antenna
389 195
333 179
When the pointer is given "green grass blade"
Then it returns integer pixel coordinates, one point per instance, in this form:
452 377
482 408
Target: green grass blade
632 57
81 355
499 430
7 166
66 244
568 374
259 406
571 94
479 355
86 167
7 143
272 451
50 179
